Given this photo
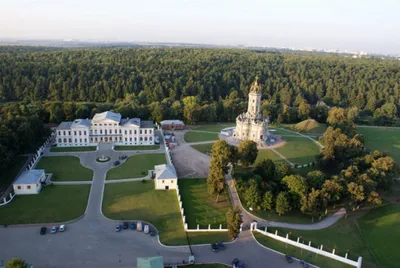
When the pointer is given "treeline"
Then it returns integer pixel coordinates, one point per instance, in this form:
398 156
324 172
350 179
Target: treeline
155 82
20 132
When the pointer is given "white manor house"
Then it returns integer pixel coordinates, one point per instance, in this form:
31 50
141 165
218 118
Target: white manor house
107 127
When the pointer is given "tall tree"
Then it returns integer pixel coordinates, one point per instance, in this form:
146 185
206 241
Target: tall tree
282 204
191 109
234 220
248 152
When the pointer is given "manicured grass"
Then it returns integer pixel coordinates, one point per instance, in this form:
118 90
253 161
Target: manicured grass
296 252
200 207
192 136
211 265
203 148
140 201
344 236
136 147
214 127
73 149
136 166
266 153
299 150
53 204
8 175
382 139
380 228
65 168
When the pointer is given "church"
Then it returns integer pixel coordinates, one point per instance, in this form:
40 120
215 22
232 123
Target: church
252 125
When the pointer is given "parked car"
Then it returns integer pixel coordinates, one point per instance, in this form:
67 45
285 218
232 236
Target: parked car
124 157
214 247
116 163
43 230
289 258
221 246
62 228
125 225
132 226
152 233
236 263
54 229
304 264
118 227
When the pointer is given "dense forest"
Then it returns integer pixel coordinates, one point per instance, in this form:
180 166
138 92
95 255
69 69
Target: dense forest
159 83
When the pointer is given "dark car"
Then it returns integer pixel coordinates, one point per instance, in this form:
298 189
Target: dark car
124 157
304 264
43 230
236 263
289 258
221 246
125 225
152 233
116 163
214 247
132 226
118 227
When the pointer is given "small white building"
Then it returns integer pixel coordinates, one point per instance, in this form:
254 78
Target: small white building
166 177
29 182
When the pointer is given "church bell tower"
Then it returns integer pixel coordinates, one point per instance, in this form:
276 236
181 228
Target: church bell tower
253 109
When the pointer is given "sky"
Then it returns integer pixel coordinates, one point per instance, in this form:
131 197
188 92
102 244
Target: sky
354 25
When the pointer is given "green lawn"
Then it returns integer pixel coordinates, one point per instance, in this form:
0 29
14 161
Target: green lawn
192 136
217 127
54 203
203 148
301 254
211 265
266 153
345 236
65 168
8 175
136 147
382 139
200 207
73 149
380 228
136 166
139 201
299 150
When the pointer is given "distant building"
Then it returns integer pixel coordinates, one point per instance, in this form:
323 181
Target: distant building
251 125
172 125
29 182
105 127
165 177
151 262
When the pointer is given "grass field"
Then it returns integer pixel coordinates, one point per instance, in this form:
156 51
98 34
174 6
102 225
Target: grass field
52 204
343 236
296 252
136 166
9 174
203 148
266 153
209 265
139 201
193 136
65 168
200 207
136 147
382 139
73 149
217 127
298 150
380 228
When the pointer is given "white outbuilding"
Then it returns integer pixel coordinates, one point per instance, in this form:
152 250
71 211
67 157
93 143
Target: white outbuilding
166 177
29 182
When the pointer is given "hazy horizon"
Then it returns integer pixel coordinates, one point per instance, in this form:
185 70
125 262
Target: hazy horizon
346 25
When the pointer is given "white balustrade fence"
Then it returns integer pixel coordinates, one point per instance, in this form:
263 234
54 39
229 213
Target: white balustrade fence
5 201
308 247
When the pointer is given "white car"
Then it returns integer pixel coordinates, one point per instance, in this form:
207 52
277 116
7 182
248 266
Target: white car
62 228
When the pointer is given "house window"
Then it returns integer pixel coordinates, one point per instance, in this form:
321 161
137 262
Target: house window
75 133
140 131
119 131
85 140
19 187
141 138
69 140
101 131
145 138
135 139
150 138
28 187
59 140
105 131
145 131
126 139
95 139
162 181
76 140
130 139
95 125
150 130
135 131
59 132
172 181
126 132
95 131
100 125
65 140
115 131
84 133
64 132
69 132
130 131
80 133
